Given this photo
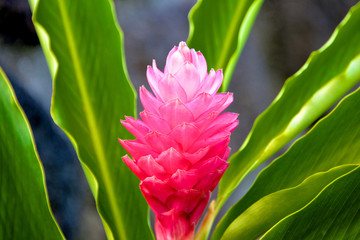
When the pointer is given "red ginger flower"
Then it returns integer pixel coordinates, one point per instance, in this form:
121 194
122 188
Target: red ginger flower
181 144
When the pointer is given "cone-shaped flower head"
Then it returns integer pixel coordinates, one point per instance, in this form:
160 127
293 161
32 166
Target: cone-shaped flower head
181 144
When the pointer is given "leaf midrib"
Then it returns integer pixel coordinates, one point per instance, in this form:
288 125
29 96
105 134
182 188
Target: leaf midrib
273 146
230 35
90 119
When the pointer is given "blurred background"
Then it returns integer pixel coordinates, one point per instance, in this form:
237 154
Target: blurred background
283 36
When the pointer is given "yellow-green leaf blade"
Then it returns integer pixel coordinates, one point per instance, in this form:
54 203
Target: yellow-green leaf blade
263 214
24 207
91 94
219 29
333 142
334 214
325 78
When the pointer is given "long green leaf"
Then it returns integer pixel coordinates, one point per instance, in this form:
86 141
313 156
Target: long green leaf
269 210
91 94
328 74
334 141
219 29
24 206
334 214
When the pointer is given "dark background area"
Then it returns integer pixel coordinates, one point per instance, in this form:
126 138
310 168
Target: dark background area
284 35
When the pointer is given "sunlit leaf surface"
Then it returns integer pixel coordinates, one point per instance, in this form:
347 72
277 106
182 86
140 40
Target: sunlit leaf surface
219 29
333 143
328 74
91 94
334 214
269 210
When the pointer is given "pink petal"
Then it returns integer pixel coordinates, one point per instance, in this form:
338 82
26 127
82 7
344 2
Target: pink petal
184 200
170 88
197 156
156 188
212 82
206 182
201 65
175 113
174 225
199 104
218 147
211 165
224 123
172 51
183 179
219 103
226 118
214 169
206 120
198 60
226 127
137 127
185 134
155 204
172 160
136 148
215 140
218 136
155 122
199 209
210 181
220 174
133 167
174 62
222 101
189 79
185 51
153 76
150 167
160 142
150 103
226 154
157 72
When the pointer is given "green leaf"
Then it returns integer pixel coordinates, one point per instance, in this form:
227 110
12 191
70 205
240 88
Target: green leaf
333 142
263 214
328 74
24 206
219 29
91 94
334 214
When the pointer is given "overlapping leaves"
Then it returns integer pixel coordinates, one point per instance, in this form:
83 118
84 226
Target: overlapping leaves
334 214
328 74
329 150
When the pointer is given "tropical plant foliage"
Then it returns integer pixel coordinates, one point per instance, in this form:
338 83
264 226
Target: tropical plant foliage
23 199
310 192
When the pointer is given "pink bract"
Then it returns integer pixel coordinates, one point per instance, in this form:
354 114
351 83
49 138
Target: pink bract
181 144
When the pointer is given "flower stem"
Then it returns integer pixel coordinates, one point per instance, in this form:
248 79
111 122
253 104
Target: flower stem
207 222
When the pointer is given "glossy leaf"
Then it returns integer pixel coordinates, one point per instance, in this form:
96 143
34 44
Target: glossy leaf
263 214
334 214
24 206
328 74
91 94
333 142
219 29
